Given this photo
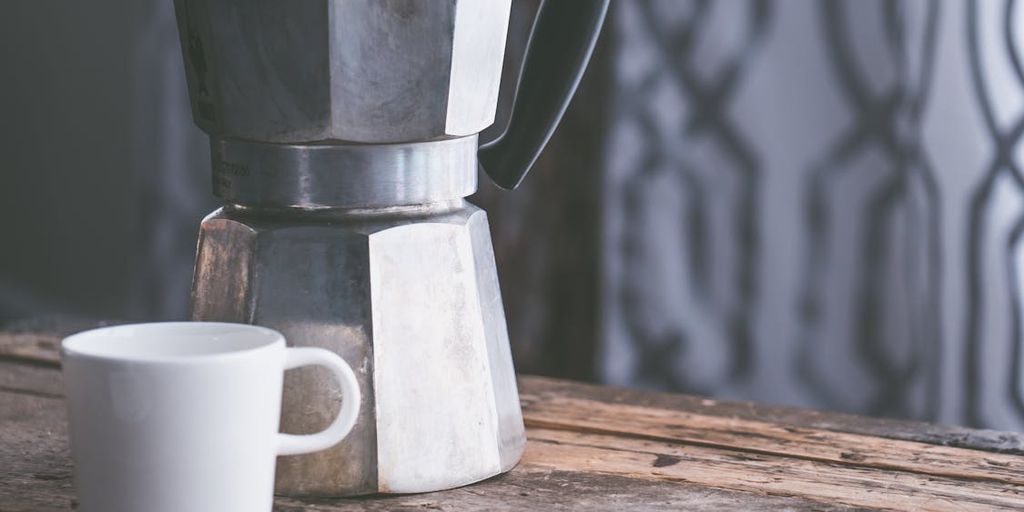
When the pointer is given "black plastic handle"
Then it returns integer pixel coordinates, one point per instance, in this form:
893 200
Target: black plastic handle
562 39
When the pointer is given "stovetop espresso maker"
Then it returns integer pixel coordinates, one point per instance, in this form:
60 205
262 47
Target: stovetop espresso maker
344 141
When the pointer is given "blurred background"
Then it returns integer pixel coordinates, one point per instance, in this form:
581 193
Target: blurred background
815 203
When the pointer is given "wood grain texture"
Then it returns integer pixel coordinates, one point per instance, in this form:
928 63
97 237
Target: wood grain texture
35 470
592 415
30 379
855 486
600 448
36 340
35 476
946 435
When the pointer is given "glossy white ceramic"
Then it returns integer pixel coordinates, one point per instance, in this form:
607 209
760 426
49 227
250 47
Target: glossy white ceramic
183 416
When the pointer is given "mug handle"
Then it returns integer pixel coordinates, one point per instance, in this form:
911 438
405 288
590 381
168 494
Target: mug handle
291 444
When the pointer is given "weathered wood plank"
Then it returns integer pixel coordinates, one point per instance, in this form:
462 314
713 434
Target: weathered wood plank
755 436
36 341
537 388
31 379
28 347
35 470
561 471
773 475
531 488
35 475
602 448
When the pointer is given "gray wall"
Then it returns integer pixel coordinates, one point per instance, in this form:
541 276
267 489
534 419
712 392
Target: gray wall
98 195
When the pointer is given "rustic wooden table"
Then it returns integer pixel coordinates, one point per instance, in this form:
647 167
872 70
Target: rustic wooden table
598 448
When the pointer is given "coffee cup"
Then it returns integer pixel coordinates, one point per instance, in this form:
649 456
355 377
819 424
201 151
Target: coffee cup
184 416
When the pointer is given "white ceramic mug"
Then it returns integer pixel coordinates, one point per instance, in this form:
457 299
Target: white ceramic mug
183 416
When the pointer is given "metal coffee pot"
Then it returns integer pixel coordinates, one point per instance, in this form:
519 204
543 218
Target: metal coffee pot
344 141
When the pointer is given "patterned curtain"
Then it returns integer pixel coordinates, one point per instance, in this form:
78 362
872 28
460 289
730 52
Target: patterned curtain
817 204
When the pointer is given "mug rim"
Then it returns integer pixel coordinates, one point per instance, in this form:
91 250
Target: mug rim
71 346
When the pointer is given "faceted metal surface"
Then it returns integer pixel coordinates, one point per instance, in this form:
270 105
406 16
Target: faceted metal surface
378 71
343 175
409 297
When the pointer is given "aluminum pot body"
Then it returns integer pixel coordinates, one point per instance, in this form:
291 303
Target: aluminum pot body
371 71
409 297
